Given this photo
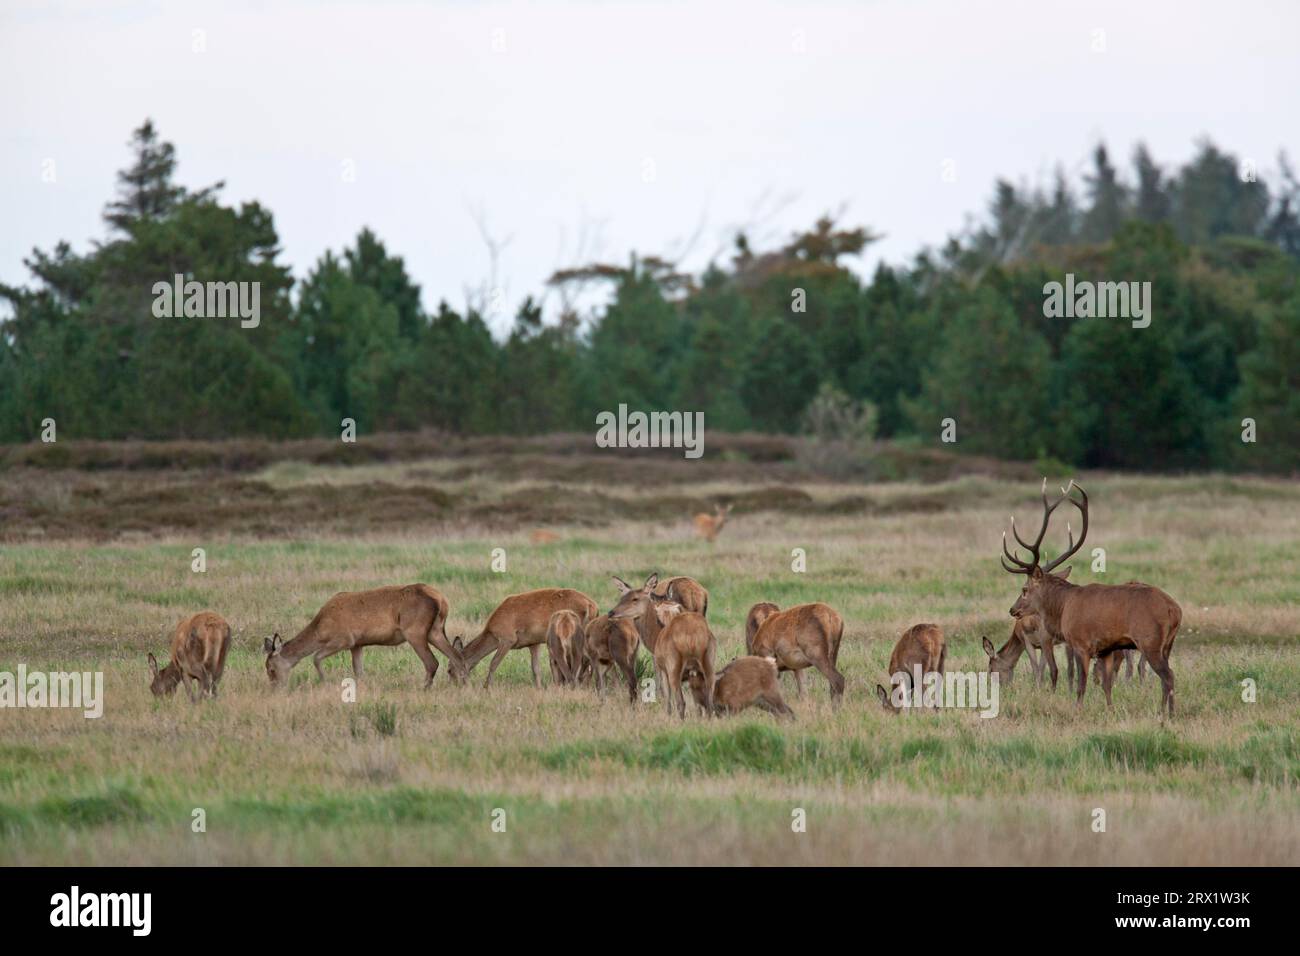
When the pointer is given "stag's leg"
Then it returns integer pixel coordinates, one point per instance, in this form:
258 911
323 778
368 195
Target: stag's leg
1070 679
503 648
1035 661
1109 667
535 651
798 683
774 703
1128 665
1082 666
1049 654
356 663
1142 668
1166 675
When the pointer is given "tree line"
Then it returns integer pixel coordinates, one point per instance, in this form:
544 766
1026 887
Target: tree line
763 341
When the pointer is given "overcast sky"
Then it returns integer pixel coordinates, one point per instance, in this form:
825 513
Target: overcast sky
636 124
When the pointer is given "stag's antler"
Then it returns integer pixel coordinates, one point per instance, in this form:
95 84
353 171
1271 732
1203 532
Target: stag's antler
1021 567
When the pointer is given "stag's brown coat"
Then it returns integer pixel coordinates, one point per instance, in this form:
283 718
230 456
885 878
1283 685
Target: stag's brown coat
1095 620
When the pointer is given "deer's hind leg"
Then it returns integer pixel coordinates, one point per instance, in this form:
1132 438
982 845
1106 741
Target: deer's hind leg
1109 667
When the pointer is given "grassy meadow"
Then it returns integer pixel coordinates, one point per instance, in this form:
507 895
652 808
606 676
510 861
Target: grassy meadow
95 569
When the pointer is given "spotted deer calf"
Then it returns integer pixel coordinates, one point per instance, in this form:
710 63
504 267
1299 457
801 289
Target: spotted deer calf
921 647
564 646
745 682
198 652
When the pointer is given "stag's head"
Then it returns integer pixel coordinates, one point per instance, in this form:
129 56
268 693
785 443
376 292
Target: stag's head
633 602
165 679
277 668
1039 579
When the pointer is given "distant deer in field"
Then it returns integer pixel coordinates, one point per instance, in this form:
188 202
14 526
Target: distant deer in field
682 641
198 652
807 635
543 536
921 646
384 617
1096 620
745 682
564 638
610 643
708 526
521 620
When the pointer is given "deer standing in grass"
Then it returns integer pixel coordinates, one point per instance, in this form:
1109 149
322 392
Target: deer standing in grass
745 682
1095 620
384 617
682 641
564 638
681 590
921 647
1028 635
807 635
708 526
521 620
759 613
198 652
610 643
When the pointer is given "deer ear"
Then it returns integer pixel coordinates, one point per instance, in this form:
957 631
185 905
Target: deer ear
623 586
988 648
1036 574
1066 573
651 581
882 694
153 664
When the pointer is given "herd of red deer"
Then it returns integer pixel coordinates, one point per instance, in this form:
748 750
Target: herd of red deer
1098 622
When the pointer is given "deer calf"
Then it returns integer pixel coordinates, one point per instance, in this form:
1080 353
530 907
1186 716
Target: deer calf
708 526
807 635
921 647
611 643
198 652
564 646
745 682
